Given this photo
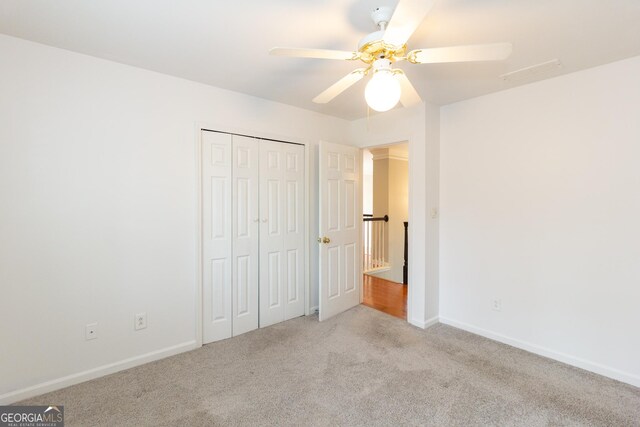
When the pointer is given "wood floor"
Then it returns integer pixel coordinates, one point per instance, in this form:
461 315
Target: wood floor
384 295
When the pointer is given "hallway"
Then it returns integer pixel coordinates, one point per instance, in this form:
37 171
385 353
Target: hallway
386 296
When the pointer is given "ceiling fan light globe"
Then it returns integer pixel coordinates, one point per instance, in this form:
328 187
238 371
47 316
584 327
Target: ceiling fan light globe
383 91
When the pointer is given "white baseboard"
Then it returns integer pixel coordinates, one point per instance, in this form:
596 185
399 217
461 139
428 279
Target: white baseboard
377 270
313 310
69 380
587 365
424 324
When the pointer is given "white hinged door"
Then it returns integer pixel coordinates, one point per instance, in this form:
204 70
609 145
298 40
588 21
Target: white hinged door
339 234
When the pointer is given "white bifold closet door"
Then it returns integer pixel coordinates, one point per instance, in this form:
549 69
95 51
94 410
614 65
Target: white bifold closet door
253 224
245 230
217 240
282 261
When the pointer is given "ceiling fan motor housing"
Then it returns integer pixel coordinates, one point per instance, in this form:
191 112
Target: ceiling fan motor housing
372 47
382 65
370 38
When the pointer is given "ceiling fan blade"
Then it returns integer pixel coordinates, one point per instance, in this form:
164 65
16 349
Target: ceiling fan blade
405 19
409 96
481 52
340 86
314 53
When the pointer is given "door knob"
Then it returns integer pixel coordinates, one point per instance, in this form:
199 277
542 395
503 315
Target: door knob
324 240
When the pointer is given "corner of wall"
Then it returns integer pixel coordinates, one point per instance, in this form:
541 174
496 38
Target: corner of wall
432 161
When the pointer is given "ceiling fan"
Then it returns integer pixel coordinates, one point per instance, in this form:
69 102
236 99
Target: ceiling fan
381 49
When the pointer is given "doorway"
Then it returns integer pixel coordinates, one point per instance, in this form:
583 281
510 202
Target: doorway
385 215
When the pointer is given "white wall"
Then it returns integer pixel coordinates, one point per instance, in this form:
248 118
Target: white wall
391 197
98 209
419 126
540 197
398 214
431 171
367 182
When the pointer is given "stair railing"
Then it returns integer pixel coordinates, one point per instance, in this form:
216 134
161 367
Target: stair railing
374 230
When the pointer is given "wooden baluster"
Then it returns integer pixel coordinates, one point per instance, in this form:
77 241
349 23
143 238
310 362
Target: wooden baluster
382 244
405 266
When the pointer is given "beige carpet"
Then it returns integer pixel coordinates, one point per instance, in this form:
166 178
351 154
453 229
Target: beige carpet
361 368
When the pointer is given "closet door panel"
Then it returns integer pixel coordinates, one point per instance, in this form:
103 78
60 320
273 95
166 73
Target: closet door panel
271 234
245 233
216 236
294 238
253 219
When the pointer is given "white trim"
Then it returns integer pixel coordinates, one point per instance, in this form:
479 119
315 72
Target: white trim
414 304
383 143
377 270
69 380
307 237
199 298
424 324
360 223
588 365
402 159
390 152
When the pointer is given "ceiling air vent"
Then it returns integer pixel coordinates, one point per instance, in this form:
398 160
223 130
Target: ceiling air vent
532 71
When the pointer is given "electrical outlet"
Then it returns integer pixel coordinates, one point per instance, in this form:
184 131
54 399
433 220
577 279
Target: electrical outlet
496 304
140 321
91 331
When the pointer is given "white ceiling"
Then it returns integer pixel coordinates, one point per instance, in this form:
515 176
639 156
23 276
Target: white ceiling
226 43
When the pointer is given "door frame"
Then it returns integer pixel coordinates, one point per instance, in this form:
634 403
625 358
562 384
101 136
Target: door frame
255 133
409 205
413 235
